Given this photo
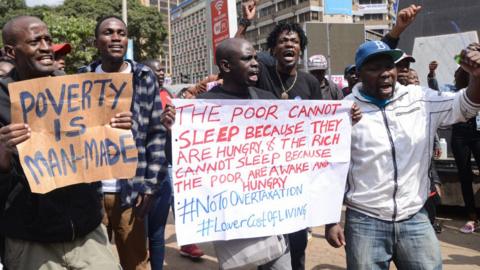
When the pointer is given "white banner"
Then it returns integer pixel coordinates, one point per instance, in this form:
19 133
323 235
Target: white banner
244 168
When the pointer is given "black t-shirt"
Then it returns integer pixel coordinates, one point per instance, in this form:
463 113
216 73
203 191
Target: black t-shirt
306 86
218 92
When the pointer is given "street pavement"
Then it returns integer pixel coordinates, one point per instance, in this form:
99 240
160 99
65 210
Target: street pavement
459 251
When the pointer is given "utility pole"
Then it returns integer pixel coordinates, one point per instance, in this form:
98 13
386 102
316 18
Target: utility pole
124 11
169 40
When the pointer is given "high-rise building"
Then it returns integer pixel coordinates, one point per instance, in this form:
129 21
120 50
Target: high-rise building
189 41
189 26
164 6
377 15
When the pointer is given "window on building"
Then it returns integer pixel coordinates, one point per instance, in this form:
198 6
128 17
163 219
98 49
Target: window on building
285 4
266 11
366 2
304 17
314 16
373 17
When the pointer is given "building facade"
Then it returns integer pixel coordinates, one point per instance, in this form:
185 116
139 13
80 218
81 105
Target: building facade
189 27
164 7
377 15
189 41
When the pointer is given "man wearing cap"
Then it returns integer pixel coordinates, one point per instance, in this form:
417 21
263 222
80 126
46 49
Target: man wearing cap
61 51
391 149
317 66
350 74
403 68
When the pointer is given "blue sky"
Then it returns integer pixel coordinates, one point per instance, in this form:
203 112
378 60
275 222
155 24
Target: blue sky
43 2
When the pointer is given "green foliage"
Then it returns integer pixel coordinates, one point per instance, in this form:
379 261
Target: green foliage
75 20
144 23
78 32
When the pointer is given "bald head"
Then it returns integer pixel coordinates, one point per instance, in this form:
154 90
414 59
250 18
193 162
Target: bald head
237 61
229 47
13 28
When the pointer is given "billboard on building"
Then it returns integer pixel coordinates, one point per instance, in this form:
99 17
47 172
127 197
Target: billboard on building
223 27
335 7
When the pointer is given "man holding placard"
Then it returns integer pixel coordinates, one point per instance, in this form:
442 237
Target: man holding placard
239 69
59 228
121 197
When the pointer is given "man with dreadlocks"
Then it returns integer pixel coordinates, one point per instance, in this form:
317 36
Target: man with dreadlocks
280 75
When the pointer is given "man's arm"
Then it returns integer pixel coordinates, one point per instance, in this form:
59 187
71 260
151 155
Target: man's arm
249 8
404 18
431 77
470 62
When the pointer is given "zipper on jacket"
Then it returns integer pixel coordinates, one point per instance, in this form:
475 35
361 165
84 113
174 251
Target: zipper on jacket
73 230
395 170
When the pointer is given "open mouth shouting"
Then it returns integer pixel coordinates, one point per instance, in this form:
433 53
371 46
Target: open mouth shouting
386 88
289 56
253 75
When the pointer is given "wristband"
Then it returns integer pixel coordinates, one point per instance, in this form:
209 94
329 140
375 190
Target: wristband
245 22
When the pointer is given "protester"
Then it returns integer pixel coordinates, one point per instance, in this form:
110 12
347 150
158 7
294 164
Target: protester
403 68
431 77
279 74
286 42
61 51
6 65
236 60
413 77
350 74
317 66
126 203
388 181
465 142
59 228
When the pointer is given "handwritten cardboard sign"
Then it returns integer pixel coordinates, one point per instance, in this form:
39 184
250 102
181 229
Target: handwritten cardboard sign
244 168
71 139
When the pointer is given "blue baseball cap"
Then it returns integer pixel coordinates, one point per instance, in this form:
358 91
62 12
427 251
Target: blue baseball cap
373 48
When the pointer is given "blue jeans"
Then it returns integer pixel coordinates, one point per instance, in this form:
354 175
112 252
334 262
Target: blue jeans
373 243
157 219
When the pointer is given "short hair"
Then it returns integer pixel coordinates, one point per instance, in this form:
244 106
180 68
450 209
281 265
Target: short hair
104 18
289 27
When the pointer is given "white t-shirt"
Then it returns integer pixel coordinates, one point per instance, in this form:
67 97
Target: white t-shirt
112 185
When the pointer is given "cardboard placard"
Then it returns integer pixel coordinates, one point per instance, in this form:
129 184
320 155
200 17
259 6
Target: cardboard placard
71 139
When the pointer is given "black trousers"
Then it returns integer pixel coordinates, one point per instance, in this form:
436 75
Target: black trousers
465 142
298 244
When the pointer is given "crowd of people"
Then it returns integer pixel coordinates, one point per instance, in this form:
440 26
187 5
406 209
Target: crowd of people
390 186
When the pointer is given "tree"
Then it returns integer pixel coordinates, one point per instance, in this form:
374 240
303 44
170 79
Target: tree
144 23
78 32
72 22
